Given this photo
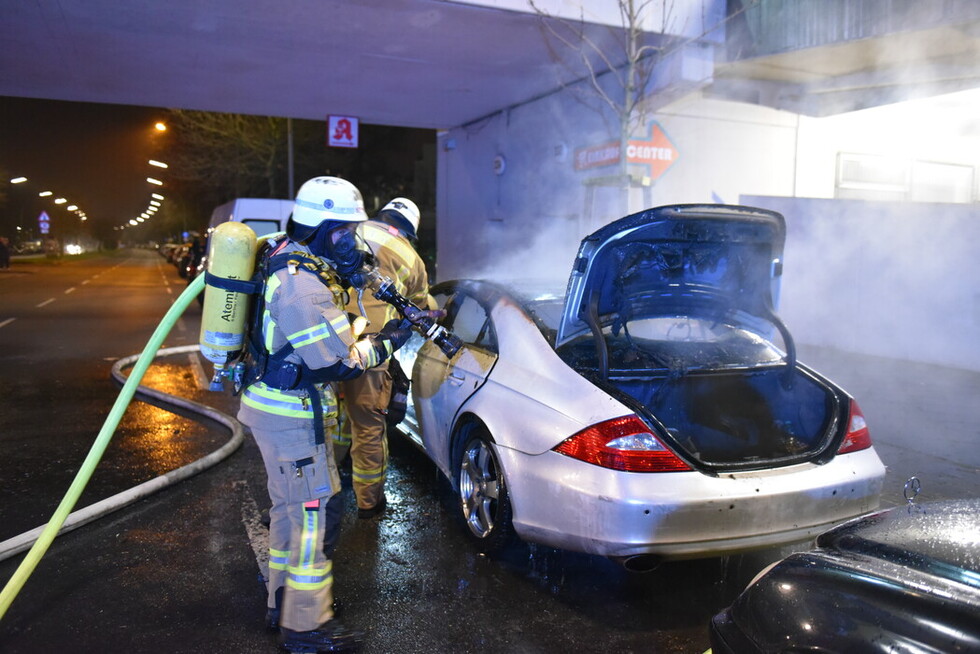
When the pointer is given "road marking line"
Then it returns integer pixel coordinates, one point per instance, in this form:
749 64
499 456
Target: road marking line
7 322
45 303
258 535
197 369
70 290
86 282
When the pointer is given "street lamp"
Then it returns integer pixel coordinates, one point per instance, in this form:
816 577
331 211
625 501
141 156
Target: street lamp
18 180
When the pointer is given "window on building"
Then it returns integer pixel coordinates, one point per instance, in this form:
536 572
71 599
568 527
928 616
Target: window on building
875 177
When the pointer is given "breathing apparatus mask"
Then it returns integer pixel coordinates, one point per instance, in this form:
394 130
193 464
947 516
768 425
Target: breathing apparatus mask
338 242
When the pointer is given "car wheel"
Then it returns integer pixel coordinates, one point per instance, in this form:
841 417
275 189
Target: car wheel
483 499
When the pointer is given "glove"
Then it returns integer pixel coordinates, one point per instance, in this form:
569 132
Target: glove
396 332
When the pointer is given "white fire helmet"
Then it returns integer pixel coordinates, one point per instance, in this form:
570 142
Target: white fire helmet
328 198
407 210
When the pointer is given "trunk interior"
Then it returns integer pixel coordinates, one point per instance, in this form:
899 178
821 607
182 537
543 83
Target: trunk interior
732 405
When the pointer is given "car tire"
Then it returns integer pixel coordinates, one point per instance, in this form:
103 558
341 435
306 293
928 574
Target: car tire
481 489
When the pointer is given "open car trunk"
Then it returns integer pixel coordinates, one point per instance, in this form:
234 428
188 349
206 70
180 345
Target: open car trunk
671 310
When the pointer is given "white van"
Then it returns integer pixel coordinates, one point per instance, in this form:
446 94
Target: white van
264 216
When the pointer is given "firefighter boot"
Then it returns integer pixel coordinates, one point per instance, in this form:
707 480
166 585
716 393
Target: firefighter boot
377 509
331 636
272 613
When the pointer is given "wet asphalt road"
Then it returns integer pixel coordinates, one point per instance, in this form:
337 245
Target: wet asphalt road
176 572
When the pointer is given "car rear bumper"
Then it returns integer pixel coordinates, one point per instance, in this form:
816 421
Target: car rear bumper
565 503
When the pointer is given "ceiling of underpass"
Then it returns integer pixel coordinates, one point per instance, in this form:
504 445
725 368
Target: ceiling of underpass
411 63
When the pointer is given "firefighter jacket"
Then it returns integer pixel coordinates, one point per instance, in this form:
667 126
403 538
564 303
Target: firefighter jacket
303 311
397 259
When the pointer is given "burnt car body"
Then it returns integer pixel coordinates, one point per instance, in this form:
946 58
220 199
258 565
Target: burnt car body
654 409
902 580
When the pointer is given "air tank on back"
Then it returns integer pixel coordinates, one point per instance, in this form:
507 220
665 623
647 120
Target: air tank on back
231 255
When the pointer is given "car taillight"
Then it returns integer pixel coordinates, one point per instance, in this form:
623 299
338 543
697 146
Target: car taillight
858 437
621 444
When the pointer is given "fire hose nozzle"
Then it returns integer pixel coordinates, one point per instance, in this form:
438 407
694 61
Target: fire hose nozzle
384 289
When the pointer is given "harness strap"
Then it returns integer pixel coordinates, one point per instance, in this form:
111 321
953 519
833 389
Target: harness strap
277 372
250 286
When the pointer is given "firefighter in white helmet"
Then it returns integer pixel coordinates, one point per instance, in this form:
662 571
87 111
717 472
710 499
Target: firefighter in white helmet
391 236
292 407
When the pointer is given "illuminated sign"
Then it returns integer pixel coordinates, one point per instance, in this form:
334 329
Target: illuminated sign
342 131
657 153
44 222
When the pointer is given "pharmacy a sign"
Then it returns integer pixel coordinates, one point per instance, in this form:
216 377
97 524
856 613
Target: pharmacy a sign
342 131
656 152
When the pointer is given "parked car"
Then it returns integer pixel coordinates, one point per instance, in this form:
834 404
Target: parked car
167 251
654 410
902 580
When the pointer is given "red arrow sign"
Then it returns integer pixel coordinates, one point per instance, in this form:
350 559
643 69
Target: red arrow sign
657 153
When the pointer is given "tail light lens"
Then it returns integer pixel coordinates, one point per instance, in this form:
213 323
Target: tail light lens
858 436
622 444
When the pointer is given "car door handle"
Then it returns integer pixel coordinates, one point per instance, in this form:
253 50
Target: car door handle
456 379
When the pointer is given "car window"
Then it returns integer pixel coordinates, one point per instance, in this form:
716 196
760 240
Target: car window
472 324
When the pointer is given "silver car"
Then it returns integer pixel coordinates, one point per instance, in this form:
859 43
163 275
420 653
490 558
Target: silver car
653 410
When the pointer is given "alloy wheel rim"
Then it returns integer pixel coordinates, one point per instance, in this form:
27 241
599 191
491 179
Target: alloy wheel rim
479 488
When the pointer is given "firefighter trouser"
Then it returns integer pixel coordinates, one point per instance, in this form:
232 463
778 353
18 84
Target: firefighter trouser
363 432
304 522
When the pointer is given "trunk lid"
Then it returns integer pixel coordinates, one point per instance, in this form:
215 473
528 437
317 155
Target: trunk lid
695 259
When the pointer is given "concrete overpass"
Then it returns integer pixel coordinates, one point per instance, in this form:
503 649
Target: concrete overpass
439 64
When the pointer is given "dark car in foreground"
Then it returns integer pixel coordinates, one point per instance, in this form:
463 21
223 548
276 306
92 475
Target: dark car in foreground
651 408
899 581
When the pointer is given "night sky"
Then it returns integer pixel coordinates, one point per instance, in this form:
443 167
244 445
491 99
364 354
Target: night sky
93 155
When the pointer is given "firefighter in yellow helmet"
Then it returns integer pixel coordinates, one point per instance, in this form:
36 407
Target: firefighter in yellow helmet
291 405
391 236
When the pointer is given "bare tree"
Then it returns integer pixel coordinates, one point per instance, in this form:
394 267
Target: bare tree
239 154
628 58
